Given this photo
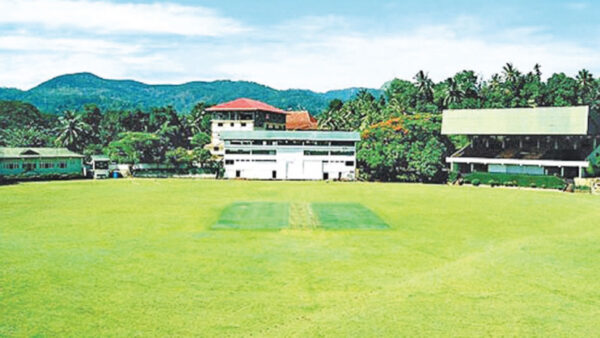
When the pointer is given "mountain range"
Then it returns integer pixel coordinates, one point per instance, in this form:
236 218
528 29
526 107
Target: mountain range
73 91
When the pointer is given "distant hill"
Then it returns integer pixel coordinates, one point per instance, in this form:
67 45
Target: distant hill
73 91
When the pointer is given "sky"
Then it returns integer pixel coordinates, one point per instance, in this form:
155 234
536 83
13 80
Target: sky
310 44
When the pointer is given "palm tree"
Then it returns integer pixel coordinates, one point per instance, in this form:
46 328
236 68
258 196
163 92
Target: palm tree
72 131
585 85
537 69
453 93
496 81
424 85
511 74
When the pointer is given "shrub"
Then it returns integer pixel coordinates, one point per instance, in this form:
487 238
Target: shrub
520 180
532 185
452 177
476 182
492 183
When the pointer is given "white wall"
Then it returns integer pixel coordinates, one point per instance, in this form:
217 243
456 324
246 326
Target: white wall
290 163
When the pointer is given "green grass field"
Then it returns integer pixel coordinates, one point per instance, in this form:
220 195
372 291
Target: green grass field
139 257
254 216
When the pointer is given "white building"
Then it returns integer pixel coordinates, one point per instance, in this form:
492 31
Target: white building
290 155
243 115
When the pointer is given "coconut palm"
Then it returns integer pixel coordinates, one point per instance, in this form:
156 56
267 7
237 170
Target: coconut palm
585 85
537 69
72 131
453 92
511 74
424 85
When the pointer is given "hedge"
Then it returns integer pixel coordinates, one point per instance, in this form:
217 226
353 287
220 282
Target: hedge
520 180
162 173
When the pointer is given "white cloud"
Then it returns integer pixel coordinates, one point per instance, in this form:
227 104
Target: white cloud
357 60
108 17
316 55
27 43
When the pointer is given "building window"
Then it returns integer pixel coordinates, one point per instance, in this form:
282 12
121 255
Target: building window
316 153
264 152
243 124
62 165
232 124
349 163
29 166
342 153
220 124
228 162
342 143
237 151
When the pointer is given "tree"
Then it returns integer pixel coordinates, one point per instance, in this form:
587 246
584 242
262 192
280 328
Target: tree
405 148
72 131
180 158
199 119
136 147
586 87
424 86
561 91
453 94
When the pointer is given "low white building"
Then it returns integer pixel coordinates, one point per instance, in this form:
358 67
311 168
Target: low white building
290 155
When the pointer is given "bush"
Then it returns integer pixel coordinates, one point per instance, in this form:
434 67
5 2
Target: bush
583 188
532 185
453 177
476 182
517 180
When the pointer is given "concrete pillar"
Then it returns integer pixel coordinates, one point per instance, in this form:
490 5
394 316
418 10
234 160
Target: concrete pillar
580 172
562 171
472 167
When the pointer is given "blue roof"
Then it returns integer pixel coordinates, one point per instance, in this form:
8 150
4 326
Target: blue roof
290 135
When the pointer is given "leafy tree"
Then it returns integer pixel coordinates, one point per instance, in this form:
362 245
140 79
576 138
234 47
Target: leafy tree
136 147
561 91
405 148
180 157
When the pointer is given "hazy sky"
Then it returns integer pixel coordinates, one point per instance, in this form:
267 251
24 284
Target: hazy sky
314 44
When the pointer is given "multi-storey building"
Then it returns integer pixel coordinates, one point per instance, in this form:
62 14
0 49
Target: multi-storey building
290 155
243 115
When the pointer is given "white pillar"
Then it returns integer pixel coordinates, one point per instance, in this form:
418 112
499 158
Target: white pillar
472 167
580 172
562 171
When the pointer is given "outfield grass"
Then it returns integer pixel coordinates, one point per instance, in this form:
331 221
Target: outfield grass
138 257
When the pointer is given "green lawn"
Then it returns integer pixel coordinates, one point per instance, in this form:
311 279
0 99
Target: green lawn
254 216
347 216
138 257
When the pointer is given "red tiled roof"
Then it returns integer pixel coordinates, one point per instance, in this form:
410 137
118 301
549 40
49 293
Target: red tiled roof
244 104
300 120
